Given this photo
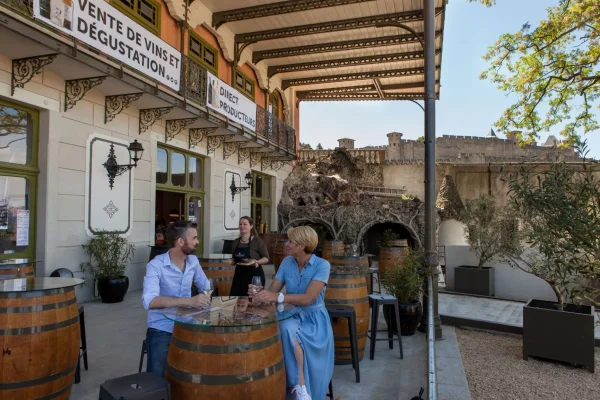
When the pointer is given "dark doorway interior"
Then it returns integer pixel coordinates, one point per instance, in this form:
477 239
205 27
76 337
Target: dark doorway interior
372 238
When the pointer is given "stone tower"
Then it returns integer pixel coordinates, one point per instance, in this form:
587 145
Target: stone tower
346 143
394 149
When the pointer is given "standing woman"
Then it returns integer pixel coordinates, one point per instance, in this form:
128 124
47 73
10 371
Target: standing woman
307 338
249 246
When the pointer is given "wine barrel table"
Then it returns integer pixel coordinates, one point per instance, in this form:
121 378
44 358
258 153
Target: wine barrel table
39 331
332 248
17 268
221 270
279 253
391 255
347 286
232 351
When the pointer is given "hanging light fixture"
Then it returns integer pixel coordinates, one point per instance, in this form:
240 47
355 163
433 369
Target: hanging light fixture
113 168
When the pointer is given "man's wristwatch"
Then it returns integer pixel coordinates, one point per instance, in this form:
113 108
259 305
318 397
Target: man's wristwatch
280 298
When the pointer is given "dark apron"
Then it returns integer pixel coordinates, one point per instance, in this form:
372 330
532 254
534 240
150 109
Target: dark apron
243 274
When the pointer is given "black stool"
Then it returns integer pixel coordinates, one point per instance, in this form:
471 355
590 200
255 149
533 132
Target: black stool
348 313
380 299
144 351
330 394
372 272
67 273
141 386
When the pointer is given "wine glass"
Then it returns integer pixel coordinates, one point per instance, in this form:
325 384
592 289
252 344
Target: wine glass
256 284
209 288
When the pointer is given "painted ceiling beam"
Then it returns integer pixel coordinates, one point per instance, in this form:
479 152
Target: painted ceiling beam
331 26
277 8
336 46
316 80
363 96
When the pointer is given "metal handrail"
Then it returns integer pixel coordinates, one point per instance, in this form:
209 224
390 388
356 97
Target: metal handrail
432 392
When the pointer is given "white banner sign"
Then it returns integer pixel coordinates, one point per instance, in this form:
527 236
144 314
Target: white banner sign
100 25
228 101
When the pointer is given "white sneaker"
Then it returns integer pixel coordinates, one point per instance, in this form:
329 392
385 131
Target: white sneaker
301 392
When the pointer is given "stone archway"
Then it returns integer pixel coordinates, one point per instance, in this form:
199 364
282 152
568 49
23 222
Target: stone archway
413 236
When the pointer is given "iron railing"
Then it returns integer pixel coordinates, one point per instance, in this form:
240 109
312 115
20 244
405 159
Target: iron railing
194 87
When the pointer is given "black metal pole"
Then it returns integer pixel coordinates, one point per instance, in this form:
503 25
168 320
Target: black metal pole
430 210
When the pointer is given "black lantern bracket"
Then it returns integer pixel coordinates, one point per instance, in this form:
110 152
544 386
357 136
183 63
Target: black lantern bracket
113 168
235 189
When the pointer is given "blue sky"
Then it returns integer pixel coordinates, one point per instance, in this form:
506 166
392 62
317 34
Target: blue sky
468 106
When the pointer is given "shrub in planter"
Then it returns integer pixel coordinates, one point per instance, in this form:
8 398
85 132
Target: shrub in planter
488 228
109 256
558 242
405 282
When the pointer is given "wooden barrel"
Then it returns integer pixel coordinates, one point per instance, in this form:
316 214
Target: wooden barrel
390 256
223 363
270 240
331 248
279 253
221 270
347 286
16 271
39 332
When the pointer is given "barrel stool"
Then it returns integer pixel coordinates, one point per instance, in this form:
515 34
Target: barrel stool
140 386
380 299
348 313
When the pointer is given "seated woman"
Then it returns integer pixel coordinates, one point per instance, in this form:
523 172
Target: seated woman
307 338
248 247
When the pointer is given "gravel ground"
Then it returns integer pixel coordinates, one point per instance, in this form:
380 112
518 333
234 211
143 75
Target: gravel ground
496 371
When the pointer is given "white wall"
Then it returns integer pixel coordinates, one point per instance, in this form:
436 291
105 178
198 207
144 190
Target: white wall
511 283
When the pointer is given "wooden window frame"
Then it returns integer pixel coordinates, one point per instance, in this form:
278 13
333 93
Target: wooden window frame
30 173
279 104
261 200
186 190
243 89
155 29
205 45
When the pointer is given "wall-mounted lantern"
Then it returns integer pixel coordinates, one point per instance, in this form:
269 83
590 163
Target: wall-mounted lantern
235 190
112 166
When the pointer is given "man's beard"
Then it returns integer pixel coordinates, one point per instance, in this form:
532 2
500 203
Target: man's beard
187 249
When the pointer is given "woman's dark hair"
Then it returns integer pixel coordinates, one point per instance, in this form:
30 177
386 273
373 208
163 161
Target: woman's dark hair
178 230
251 222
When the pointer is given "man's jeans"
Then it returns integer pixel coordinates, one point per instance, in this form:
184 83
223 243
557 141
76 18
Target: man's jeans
157 343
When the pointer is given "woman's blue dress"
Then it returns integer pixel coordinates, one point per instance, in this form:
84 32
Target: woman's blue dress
311 327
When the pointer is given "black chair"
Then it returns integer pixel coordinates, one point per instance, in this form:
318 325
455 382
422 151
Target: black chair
144 351
381 299
140 386
348 313
67 273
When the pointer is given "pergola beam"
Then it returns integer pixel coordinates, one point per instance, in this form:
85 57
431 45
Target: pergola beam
355 44
345 62
360 88
332 26
362 96
278 8
316 80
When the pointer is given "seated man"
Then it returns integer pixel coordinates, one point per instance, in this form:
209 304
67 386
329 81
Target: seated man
168 283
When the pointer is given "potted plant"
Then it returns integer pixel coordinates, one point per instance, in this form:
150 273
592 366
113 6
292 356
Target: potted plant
405 282
558 242
487 227
109 256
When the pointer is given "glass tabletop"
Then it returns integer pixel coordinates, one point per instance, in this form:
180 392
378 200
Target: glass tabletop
232 312
36 284
18 261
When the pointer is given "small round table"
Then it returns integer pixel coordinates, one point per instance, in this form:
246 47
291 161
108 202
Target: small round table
39 331
14 268
230 350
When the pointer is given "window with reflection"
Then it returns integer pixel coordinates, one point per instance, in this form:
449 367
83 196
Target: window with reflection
15 218
195 173
161 166
16 135
178 169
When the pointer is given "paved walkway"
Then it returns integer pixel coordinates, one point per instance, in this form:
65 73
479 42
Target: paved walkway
505 312
115 333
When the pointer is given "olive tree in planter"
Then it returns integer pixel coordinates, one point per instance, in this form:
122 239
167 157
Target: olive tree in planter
405 282
488 227
560 224
109 256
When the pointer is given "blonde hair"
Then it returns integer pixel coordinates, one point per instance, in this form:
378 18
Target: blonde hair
304 236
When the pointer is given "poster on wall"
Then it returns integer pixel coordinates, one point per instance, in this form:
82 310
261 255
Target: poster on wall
22 228
3 214
228 101
233 207
103 27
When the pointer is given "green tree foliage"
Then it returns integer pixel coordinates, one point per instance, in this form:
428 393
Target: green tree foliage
319 147
305 146
552 69
560 218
